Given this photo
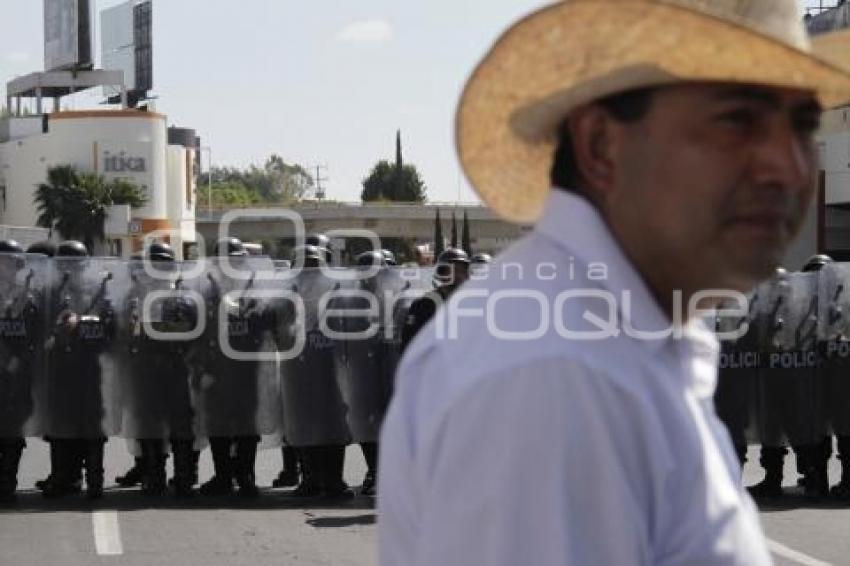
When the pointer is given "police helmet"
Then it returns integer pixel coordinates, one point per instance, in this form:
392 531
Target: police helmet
817 262
389 257
318 240
308 252
10 247
160 251
43 248
72 248
230 247
453 255
370 258
482 258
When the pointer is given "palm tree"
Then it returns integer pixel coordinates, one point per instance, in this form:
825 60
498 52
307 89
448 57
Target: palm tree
75 204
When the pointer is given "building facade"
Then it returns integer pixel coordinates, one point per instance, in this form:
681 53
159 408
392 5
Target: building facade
129 144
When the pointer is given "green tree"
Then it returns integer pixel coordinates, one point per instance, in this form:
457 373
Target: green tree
75 204
439 245
233 194
276 182
394 182
465 240
385 183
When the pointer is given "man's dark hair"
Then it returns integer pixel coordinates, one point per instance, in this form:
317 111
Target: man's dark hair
626 107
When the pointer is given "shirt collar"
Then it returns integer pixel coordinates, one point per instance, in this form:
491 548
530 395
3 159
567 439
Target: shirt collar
572 223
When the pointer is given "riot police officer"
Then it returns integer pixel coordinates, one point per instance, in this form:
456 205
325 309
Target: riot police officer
452 270
75 378
314 415
370 447
791 404
19 332
160 407
232 400
48 249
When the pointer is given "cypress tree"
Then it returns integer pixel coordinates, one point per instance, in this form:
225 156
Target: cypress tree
438 236
454 230
467 246
399 169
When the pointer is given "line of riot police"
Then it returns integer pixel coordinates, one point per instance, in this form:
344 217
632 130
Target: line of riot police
784 381
174 356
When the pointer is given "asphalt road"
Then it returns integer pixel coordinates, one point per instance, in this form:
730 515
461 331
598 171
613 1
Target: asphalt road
128 529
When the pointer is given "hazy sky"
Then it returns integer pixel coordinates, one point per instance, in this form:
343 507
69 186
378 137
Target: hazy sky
318 81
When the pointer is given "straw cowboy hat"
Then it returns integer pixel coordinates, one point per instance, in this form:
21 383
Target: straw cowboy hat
577 51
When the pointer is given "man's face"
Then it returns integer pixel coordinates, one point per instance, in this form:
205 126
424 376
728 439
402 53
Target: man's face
710 187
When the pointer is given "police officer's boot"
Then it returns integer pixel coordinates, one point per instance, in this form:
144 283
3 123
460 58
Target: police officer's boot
196 458
310 485
184 468
94 467
288 476
153 478
841 491
370 454
332 470
11 450
222 482
772 460
817 458
246 455
133 477
65 469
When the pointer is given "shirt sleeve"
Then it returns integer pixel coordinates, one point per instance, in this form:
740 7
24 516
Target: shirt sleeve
530 468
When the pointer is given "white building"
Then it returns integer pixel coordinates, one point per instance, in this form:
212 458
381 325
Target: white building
123 143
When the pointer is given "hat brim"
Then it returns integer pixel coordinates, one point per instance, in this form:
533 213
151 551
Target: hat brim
575 52
833 47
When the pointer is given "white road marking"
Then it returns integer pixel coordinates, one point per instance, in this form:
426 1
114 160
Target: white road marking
780 549
107 533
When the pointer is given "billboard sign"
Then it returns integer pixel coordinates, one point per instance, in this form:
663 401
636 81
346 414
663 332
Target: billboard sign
67 35
126 45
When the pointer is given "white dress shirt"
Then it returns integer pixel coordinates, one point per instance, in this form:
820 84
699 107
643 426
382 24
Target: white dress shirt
542 448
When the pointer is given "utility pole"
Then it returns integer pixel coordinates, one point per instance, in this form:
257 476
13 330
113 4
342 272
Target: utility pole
320 191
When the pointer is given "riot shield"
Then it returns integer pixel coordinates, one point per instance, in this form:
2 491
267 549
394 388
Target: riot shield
84 352
739 366
314 413
22 323
235 359
366 364
164 314
790 408
834 336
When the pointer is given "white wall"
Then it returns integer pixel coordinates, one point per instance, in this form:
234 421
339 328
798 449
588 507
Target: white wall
88 142
181 184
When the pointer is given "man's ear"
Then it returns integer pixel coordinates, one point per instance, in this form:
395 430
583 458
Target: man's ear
595 135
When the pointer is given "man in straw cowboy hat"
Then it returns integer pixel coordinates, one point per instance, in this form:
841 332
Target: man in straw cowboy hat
564 415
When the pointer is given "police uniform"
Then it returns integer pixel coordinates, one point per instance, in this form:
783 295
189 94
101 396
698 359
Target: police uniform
423 309
19 336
